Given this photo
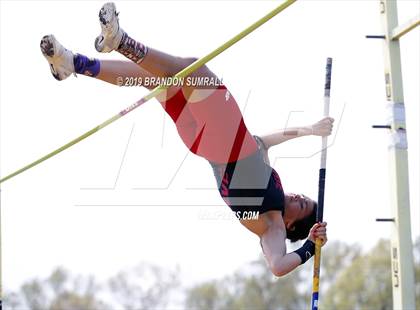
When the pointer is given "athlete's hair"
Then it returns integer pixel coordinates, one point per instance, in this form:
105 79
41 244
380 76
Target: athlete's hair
302 227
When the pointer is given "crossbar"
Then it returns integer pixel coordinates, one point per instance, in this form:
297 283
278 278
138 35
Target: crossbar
156 91
405 28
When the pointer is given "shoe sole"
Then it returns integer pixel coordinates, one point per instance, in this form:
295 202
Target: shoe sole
107 14
47 45
49 48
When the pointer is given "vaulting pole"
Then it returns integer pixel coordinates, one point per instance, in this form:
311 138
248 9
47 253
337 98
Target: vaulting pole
321 189
156 91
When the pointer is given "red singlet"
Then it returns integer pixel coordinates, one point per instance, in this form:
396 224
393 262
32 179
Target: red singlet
212 128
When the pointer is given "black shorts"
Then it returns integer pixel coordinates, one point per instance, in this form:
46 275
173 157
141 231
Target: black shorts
250 184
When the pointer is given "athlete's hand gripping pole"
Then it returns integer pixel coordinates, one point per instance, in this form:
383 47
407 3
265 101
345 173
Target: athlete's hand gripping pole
321 188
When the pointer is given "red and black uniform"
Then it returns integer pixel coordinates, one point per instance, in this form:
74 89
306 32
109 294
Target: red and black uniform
214 128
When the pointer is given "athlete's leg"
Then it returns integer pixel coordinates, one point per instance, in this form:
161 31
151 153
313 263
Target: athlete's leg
114 38
63 63
221 134
118 73
112 71
172 100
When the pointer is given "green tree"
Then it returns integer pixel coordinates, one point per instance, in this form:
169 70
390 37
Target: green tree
12 301
57 292
205 296
334 257
349 280
143 287
252 288
364 284
34 295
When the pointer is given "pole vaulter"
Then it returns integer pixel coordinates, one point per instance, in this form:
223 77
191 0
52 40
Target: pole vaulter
210 124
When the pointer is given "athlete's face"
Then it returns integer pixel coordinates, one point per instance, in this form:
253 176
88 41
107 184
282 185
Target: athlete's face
297 207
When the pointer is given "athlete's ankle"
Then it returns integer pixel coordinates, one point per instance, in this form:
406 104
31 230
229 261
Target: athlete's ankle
85 65
132 49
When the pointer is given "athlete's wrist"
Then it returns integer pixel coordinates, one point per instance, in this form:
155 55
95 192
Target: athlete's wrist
306 251
306 131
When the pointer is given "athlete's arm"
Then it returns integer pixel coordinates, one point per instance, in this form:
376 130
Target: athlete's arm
321 128
274 247
273 242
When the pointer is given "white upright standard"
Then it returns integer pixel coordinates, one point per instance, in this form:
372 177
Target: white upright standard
401 242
